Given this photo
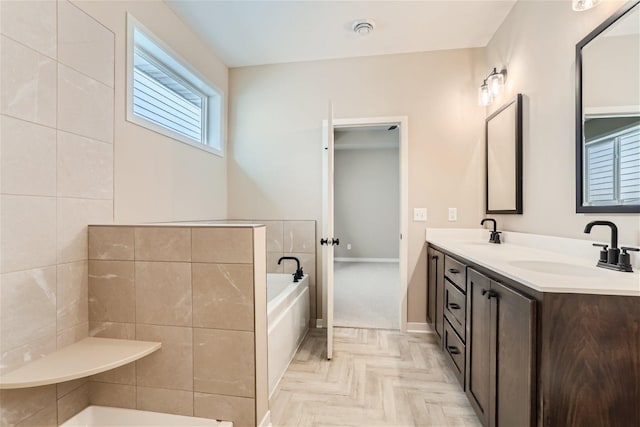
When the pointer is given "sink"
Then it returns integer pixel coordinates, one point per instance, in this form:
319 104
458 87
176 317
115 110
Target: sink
556 268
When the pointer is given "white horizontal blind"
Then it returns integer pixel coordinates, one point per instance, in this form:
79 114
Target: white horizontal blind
164 99
601 172
630 166
613 168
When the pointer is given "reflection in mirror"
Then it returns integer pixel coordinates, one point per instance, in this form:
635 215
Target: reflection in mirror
608 116
504 159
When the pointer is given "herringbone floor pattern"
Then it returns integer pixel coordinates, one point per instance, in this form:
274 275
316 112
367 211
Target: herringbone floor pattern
376 378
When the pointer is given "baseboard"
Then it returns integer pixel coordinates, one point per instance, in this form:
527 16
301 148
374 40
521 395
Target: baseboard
266 420
418 327
346 259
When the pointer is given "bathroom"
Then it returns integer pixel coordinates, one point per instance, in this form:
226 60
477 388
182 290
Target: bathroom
73 157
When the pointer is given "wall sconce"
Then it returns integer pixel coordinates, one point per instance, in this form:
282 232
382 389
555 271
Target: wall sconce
492 87
582 5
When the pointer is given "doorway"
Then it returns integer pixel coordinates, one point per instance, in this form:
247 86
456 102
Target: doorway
367 221
329 241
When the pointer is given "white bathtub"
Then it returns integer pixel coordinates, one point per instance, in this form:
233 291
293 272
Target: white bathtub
94 416
288 320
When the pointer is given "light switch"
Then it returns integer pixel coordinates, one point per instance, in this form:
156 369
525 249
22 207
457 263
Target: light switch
453 214
419 214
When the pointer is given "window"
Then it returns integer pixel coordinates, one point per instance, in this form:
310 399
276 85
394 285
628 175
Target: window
612 164
166 95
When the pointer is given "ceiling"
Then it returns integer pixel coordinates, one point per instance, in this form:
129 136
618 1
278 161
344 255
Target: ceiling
244 33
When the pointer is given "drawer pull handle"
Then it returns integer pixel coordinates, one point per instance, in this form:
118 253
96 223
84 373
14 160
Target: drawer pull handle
434 257
453 349
454 306
453 271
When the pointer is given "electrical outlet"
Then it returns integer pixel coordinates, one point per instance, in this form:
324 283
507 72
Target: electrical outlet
419 214
453 214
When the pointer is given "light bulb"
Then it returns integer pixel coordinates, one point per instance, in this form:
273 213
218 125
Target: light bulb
495 82
581 5
484 95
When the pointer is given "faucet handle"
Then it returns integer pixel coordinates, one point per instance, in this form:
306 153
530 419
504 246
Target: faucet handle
624 261
603 252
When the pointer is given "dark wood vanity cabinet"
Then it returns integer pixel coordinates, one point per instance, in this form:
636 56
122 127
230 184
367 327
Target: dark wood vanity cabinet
500 352
528 358
435 290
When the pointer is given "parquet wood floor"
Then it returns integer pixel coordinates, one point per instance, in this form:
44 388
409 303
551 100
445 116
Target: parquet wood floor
376 378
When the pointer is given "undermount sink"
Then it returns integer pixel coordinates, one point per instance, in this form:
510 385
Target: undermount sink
557 268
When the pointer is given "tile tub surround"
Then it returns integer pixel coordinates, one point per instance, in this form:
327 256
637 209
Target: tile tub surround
293 238
286 238
56 177
589 279
190 286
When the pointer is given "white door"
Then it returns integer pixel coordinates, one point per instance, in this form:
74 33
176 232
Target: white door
327 239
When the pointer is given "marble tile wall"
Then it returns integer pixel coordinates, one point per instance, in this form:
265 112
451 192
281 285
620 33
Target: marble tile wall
193 289
293 238
56 163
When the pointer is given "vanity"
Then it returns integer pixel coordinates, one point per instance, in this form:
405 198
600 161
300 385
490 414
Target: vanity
535 333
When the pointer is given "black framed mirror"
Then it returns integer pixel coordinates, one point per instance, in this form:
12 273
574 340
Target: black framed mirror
608 115
503 149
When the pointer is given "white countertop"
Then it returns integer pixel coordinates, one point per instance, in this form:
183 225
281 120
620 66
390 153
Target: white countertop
568 266
86 357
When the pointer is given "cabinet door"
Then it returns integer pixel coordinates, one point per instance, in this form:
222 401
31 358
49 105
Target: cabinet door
514 316
431 286
436 291
479 330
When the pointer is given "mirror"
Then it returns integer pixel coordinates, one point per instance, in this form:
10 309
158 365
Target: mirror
503 136
608 115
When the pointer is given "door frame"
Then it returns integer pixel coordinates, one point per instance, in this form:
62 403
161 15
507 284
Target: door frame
403 123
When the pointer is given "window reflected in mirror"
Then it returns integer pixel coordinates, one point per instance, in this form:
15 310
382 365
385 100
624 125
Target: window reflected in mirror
608 127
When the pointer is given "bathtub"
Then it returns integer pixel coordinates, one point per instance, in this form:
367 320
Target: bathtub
104 416
288 321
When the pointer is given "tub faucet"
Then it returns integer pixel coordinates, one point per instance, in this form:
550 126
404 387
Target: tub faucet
495 235
298 274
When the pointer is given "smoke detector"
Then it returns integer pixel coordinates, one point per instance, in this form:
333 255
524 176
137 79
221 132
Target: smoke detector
363 27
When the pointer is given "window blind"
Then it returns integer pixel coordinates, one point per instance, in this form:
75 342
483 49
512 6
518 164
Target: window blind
163 99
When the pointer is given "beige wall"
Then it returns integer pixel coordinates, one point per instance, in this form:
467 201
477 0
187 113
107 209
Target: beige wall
158 178
276 112
57 176
537 45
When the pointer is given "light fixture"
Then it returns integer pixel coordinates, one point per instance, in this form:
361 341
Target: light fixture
582 5
484 95
492 86
363 27
496 82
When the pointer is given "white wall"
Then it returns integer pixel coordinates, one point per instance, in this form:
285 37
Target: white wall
367 194
158 178
275 155
536 43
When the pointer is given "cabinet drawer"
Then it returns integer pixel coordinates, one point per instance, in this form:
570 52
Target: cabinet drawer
456 272
455 350
455 308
